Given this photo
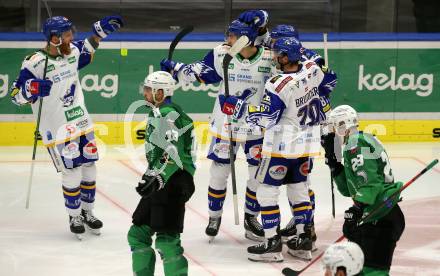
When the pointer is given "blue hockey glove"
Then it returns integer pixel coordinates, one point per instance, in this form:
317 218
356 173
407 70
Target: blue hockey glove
35 88
232 106
107 25
258 18
171 67
149 184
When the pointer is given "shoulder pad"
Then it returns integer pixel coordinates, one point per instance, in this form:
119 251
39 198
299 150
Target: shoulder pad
279 82
34 59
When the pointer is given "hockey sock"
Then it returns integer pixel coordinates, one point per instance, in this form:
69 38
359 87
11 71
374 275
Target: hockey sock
72 201
142 255
171 252
251 202
270 217
88 190
216 198
303 212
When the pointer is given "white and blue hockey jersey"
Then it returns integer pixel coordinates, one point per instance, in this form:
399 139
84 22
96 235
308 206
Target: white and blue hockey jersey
290 112
64 115
243 74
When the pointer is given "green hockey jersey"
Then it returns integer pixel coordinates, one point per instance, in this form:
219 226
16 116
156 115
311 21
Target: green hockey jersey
367 176
169 142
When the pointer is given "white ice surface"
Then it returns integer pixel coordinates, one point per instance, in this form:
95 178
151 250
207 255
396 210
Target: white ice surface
38 242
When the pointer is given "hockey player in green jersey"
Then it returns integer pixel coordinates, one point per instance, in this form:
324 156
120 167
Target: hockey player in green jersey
367 178
166 185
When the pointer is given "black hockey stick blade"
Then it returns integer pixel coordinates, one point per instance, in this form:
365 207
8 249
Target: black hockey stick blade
186 30
290 272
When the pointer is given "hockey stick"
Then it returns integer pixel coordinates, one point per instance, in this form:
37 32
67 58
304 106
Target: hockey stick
290 272
235 49
186 30
40 107
331 179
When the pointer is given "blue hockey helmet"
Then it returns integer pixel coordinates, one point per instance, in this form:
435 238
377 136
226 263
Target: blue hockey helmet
56 26
289 46
240 28
284 31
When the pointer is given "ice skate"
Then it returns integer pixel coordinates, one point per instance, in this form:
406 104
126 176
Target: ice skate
268 251
288 232
77 226
92 223
254 230
300 246
213 227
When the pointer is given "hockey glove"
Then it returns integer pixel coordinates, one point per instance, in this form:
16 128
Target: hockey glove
232 106
171 67
107 25
149 184
328 143
352 216
258 18
35 88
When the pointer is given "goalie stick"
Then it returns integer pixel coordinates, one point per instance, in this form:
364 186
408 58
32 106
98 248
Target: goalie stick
290 272
242 42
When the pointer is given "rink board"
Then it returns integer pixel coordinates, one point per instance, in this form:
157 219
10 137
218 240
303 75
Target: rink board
386 77
21 133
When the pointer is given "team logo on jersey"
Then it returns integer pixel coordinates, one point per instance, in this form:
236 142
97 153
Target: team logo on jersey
71 129
74 113
50 67
304 168
70 151
278 172
90 150
221 150
255 152
71 59
263 69
69 96
274 79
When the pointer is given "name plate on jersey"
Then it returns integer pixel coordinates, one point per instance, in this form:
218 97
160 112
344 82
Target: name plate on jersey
289 141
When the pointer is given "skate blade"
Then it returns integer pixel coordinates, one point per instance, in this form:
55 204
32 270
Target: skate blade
301 254
211 239
314 248
251 236
266 258
79 236
96 232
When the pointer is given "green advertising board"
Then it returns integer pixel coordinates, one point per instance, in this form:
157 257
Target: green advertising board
371 80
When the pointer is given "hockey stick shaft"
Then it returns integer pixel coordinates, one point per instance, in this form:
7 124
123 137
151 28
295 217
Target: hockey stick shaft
290 272
236 48
324 38
34 151
186 30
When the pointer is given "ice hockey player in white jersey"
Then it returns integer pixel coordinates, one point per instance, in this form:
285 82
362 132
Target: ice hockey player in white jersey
289 112
328 85
66 127
248 72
